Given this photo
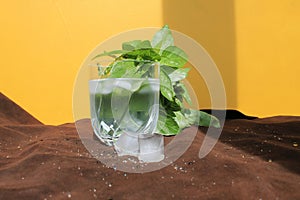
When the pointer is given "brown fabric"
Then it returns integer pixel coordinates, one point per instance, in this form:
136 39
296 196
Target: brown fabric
254 159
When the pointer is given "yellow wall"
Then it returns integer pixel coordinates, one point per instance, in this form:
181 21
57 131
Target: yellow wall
268 56
44 42
254 43
212 24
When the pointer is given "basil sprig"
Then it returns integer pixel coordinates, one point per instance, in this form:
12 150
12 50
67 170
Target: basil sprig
134 59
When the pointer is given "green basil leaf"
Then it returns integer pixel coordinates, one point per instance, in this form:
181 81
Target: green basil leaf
173 57
166 87
166 92
181 120
179 74
167 69
162 39
131 45
185 94
178 102
208 120
144 54
193 116
136 44
146 44
122 69
166 125
201 118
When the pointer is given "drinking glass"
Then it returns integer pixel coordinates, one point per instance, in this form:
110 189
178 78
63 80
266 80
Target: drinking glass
125 109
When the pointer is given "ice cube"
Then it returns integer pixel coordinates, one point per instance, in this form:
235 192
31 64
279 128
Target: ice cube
123 84
127 144
129 84
151 148
105 87
100 86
